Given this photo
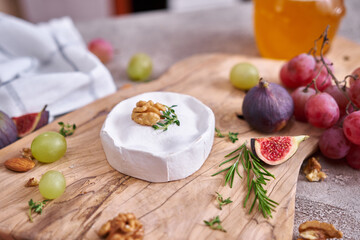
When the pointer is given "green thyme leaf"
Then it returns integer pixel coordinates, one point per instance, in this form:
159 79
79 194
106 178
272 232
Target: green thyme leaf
221 200
169 117
36 207
233 136
215 224
218 133
66 129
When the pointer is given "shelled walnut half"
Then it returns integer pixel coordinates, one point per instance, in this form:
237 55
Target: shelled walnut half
315 230
147 113
313 171
123 227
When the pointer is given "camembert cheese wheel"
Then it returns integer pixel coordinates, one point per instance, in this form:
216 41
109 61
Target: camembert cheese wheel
155 155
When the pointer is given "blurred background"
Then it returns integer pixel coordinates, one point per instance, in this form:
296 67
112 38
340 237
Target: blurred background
178 28
33 10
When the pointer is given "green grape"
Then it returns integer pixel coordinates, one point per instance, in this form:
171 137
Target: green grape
52 184
140 67
244 76
48 147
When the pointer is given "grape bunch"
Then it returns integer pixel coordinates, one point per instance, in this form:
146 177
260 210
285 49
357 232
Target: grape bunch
324 105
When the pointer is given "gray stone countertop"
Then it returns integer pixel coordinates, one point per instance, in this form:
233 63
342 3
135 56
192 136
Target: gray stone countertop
169 37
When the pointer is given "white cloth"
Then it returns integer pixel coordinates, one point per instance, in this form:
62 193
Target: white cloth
47 64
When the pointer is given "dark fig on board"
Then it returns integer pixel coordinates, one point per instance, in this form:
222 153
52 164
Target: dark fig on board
267 107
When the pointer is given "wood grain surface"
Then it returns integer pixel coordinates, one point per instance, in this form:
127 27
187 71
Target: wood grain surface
95 192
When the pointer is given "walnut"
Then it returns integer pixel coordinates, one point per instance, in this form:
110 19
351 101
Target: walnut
123 227
32 182
26 153
315 230
313 171
147 113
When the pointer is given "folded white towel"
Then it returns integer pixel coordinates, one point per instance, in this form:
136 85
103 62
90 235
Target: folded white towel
47 64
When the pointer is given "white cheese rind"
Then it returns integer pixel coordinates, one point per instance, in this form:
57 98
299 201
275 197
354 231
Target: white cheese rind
153 155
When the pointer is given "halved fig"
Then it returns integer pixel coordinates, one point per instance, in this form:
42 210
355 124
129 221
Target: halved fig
30 122
8 132
276 150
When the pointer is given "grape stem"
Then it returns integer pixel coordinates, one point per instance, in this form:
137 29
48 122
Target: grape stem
337 82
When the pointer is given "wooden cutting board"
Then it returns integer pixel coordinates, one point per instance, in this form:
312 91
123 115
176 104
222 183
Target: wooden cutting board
95 192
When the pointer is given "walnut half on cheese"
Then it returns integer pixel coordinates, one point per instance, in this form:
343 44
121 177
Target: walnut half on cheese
159 156
147 113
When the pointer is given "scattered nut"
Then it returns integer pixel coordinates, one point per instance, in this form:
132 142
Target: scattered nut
19 164
147 113
315 230
123 227
105 229
26 153
313 171
32 182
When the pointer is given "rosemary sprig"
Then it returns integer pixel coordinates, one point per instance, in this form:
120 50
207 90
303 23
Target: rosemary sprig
233 136
66 129
215 224
169 117
256 178
36 206
221 200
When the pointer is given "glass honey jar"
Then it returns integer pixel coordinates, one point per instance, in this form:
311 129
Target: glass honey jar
286 28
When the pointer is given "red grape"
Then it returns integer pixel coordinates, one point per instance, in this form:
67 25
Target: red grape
323 79
355 73
333 143
339 97
351 127
300 97
321 110
354 90
298 71
102 49
353 157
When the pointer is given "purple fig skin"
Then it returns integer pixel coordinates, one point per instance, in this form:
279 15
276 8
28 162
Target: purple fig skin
267 107
8 132
44 119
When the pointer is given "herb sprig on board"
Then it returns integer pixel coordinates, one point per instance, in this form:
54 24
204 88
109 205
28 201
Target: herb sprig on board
67 129
37 207
256 178
221 200
169 117
233 136
215 224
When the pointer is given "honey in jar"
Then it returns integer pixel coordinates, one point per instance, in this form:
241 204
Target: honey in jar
286 28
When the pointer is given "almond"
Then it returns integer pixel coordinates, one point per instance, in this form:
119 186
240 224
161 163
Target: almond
19 164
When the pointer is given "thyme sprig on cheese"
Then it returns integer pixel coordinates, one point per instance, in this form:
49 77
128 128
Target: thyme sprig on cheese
168 117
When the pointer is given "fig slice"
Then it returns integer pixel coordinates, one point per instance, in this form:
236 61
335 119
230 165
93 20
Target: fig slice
8 132
30 122
276 150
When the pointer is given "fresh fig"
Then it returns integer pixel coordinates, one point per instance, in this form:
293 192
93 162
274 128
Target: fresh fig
8 132
267 107
276 150
30 122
